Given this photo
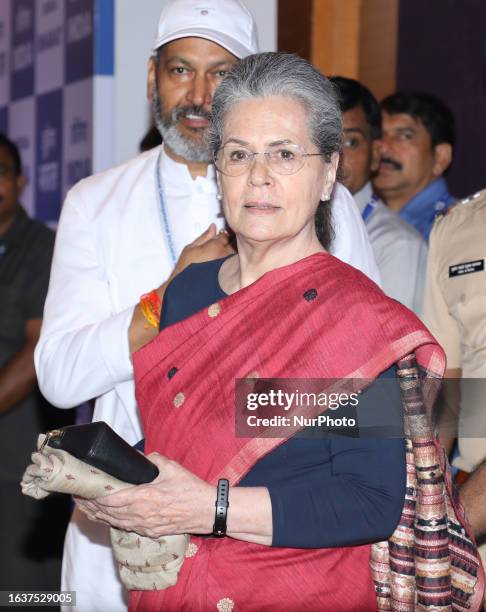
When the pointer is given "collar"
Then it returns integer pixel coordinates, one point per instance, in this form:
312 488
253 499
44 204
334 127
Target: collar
434 198
180 171
363 196
420 210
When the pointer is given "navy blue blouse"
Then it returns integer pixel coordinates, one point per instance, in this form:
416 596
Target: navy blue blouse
326 490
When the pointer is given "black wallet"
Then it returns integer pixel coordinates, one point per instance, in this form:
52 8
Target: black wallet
99 446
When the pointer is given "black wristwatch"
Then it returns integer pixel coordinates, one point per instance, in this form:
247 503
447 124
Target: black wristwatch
221 514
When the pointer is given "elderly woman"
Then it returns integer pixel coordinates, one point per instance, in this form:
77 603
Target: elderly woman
303 511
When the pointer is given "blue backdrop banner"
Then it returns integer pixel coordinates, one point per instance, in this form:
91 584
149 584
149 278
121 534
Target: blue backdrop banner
49 155
53 54
22 53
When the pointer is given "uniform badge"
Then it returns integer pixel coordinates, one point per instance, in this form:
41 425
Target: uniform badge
468 267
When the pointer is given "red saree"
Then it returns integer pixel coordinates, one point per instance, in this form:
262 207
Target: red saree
318 318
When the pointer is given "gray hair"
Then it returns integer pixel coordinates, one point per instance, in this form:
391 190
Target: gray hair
280 74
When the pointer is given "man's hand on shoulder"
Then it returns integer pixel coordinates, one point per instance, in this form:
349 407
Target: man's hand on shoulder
209 245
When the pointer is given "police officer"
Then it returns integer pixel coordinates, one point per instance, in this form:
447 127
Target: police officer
455 312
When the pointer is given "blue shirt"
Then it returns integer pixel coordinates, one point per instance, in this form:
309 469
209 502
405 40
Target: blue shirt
420 211
326 489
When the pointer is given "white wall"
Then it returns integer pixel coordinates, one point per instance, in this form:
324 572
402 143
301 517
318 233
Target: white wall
135 29
265 13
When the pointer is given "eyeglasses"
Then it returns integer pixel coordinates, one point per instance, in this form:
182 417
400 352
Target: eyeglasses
234 159
5 170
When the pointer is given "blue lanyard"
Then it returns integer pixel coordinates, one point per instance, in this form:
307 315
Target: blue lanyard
369 208
163 210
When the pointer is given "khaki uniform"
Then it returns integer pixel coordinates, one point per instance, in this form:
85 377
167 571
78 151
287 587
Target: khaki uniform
455 312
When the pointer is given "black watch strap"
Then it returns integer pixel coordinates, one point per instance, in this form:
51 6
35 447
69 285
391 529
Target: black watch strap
221 514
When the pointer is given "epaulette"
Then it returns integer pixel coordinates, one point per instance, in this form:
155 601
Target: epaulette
472 198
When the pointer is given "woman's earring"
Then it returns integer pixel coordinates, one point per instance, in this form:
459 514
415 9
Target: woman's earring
219 196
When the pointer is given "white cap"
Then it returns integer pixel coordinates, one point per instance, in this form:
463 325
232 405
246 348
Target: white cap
225 22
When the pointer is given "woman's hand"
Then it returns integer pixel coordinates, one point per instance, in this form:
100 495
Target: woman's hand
176 502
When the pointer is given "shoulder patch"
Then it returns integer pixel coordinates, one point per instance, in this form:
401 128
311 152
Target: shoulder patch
473 197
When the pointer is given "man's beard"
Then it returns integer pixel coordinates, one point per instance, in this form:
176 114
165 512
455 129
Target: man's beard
188 149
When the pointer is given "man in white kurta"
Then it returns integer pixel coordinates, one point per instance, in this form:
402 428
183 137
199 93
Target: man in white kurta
114 244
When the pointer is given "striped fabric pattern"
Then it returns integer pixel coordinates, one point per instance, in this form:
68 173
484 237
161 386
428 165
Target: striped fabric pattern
430 562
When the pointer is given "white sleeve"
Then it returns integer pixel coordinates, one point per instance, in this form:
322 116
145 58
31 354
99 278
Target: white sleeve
351 243
402 269
83 348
